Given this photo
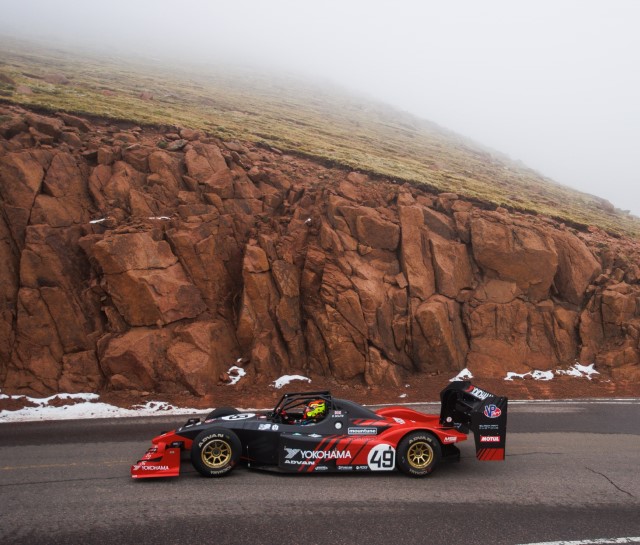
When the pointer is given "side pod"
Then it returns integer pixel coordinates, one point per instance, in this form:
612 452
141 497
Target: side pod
469 408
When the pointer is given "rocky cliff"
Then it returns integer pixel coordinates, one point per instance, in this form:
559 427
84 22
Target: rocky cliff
153 259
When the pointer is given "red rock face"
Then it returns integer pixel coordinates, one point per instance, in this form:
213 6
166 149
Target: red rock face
131 267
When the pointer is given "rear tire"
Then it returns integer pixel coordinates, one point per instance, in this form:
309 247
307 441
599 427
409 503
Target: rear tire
221 411
418 454
215 452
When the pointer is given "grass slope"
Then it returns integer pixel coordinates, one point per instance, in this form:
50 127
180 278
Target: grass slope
293 115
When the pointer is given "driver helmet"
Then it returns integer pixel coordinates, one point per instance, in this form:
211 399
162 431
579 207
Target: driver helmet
315 409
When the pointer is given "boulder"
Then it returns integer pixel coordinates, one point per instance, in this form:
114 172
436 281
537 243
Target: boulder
381 372
22 174
526 256
439 344
344 346
451 265
135 360
78 122
155 296
80 373
377 232
257 331
50 126
144 279
577 267
207 166
415 253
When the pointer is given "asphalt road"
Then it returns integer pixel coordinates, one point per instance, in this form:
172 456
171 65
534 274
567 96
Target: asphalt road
572 474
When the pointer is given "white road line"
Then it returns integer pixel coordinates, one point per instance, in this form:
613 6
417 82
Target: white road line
601 541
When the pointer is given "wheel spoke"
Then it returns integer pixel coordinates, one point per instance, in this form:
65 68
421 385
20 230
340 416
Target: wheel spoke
216 454
420 455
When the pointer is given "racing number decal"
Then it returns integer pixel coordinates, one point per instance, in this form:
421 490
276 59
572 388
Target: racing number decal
239 416
382 458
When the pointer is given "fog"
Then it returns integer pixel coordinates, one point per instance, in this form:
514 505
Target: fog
553 83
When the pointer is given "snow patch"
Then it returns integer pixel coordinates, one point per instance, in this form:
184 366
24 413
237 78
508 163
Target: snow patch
235 374
577 370
286 379
511 375
462 375
535 375
542 375
98 220
86 406
43 401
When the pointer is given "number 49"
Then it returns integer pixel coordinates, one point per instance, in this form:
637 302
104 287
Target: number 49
382 457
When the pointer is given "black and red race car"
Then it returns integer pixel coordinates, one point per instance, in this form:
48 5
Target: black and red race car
313 432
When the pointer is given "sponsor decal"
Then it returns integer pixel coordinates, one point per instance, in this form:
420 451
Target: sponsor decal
317 454
489 427
489 438
344 468
362 431
239 416
337 414
321 468
210 436
478 393
275 427
398 420
299 462
449 439
362 468
264 427
151 468
492 411
382 458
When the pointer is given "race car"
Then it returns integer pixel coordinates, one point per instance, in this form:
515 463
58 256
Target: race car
310 432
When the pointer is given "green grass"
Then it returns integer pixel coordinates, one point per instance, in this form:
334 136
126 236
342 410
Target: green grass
294 116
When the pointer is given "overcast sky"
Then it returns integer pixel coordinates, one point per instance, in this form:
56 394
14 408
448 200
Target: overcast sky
554 83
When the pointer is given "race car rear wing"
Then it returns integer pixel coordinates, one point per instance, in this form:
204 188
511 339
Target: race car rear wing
469 408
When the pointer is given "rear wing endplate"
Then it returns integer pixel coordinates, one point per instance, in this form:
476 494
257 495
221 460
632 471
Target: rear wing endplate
469 408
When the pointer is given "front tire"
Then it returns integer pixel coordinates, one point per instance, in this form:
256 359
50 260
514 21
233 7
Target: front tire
215 452
418 454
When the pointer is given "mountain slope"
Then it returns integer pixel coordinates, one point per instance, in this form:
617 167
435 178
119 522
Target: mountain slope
292 115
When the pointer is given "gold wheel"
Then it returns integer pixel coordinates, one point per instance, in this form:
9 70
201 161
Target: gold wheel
420 455
216 454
